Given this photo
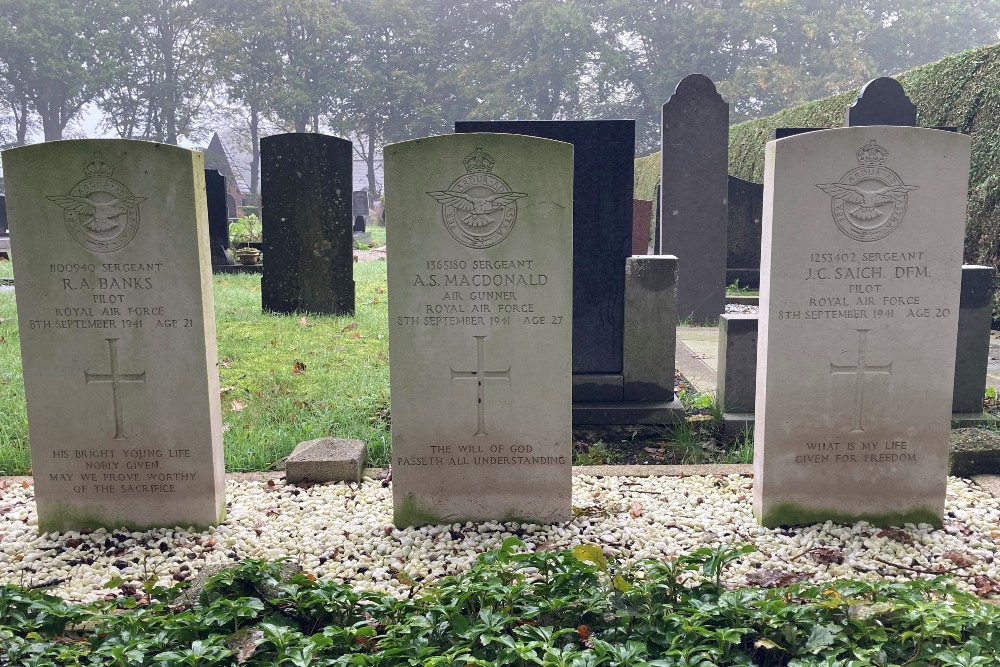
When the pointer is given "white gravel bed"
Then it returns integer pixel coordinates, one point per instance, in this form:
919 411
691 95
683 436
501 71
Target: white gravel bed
344 532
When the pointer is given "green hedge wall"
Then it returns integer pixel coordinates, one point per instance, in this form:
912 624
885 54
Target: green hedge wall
960 91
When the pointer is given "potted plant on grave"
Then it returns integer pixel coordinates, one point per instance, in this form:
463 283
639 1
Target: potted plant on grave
246 230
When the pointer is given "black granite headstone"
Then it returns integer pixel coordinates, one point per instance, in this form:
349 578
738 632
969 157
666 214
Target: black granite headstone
603 175
746 204
218 217
694 165
3 215
308 242
882 101
360 206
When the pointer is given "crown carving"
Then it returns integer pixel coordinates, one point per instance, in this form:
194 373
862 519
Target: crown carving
479 162
97 166
872 155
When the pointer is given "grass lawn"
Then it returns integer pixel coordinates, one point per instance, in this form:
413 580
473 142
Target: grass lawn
289 378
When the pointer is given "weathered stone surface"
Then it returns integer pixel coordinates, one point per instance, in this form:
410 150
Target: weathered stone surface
326 460
650 327
603 174
308 240
117 330
694 188
860 280
974 451
480 306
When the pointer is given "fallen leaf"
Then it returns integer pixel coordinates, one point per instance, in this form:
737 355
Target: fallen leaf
303 322
773 578
243 643
895 534
270 483
298 367
25 484
958 558
827 555
984 585
238 405
636 510
225 390
291 418
583 631
699 418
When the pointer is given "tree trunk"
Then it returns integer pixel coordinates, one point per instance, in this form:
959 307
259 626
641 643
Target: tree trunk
255 150
370 160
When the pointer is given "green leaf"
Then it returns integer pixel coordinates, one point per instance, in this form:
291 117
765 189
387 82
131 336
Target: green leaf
591 553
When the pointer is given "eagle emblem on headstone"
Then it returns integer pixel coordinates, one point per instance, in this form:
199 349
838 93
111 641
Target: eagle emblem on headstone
479 208
100 212
869 202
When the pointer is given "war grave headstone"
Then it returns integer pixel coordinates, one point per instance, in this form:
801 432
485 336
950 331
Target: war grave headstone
480 313
642 214
603 159
218 218
308 239
860 280
693 210
360 205
117 329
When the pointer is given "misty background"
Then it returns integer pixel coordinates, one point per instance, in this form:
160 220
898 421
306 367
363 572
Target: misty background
378 71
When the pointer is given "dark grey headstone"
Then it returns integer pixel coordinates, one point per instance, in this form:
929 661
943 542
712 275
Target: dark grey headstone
218 215
973 350
785 132
882 101
3 215
360 203
695 167
746 204
737 363
308 242
603 175
231 209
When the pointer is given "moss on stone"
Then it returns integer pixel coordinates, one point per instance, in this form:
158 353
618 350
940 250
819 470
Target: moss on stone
793 514
62 517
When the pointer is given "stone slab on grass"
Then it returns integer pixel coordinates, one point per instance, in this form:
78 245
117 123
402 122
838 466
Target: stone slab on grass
326 460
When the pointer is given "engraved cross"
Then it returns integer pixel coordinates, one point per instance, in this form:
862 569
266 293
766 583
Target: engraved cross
860 370
115 378
481 375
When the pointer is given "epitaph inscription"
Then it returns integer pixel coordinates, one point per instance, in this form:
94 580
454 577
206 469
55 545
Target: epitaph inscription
480 313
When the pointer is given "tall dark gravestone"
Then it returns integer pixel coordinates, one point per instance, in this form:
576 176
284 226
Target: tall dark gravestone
218 214
882 101
642 214
3 215
694 189
603 175
360 205
307 228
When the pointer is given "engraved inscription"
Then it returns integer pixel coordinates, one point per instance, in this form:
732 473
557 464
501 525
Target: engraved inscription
115 378
861 370
479 209
481 375
860 201
100 212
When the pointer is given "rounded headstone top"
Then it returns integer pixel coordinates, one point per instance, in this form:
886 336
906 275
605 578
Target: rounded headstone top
696 85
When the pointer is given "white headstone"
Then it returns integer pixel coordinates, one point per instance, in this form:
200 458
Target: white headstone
860 276
117 328
480 236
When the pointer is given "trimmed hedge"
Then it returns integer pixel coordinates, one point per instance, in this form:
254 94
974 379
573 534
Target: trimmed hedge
960 91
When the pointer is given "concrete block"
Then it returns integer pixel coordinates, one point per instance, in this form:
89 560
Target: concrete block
737 370
650 339
973 349
326 460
